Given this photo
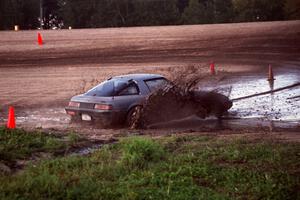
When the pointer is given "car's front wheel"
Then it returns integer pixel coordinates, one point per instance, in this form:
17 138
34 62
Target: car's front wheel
133 117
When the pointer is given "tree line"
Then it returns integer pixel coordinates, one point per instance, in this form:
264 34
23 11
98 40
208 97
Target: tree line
124 13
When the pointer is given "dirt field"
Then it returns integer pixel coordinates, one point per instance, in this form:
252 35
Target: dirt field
41 79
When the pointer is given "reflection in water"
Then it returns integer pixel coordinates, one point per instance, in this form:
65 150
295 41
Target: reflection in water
41 118
276 106
271 84
272 102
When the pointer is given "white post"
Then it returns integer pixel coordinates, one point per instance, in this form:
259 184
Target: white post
16 27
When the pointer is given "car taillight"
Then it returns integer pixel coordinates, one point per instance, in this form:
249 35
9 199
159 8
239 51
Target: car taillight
103 107
74 104
71 113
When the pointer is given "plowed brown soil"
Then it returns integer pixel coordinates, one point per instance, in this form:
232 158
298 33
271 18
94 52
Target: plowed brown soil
70 60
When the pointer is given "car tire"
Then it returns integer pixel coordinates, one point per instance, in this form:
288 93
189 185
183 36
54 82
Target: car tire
133 117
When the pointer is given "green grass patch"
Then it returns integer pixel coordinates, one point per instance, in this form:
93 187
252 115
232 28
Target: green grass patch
137 152
19 144
190 167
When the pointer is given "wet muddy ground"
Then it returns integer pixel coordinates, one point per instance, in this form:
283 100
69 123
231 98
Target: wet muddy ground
278 106
39 81
275 110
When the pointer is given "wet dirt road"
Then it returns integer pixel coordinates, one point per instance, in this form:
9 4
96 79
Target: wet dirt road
275 110
278 106
39 81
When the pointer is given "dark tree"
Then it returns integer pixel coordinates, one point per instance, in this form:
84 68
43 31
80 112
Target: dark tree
19 12
198 12
121 13
292 9
223 11
258 10
181 5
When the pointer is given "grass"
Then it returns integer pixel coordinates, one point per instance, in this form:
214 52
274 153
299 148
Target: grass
138 152
189 167
19 144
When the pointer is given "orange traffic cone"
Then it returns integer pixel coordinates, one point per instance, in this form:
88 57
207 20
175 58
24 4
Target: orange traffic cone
11 123
212 68
271 75
40 39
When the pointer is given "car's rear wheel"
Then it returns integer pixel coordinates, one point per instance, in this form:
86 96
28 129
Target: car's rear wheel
133 117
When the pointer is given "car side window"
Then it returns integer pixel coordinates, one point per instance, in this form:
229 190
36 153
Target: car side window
131 89
155 84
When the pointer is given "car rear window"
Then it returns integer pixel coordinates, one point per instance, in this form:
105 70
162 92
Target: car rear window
113 87
154 84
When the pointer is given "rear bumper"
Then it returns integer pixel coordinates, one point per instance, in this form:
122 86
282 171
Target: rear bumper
106 117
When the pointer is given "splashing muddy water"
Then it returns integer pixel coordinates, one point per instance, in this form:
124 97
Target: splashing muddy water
278 106
281 108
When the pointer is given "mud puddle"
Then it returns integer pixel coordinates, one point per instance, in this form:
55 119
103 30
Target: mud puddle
280 109
194 123
274 110
82 148
41 118
279 106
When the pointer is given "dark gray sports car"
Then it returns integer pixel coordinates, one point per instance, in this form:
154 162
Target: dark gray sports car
114 100
121 99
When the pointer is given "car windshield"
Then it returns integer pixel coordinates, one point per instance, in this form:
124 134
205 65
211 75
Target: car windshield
107 88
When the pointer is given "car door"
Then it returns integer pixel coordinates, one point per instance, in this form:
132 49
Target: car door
128 97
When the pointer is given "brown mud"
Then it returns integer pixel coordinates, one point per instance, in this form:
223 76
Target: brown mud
39 80
83 147
179 99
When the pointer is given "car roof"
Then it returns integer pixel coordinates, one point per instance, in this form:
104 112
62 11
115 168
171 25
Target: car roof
138 77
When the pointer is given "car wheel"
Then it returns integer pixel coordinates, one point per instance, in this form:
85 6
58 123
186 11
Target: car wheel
132 119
